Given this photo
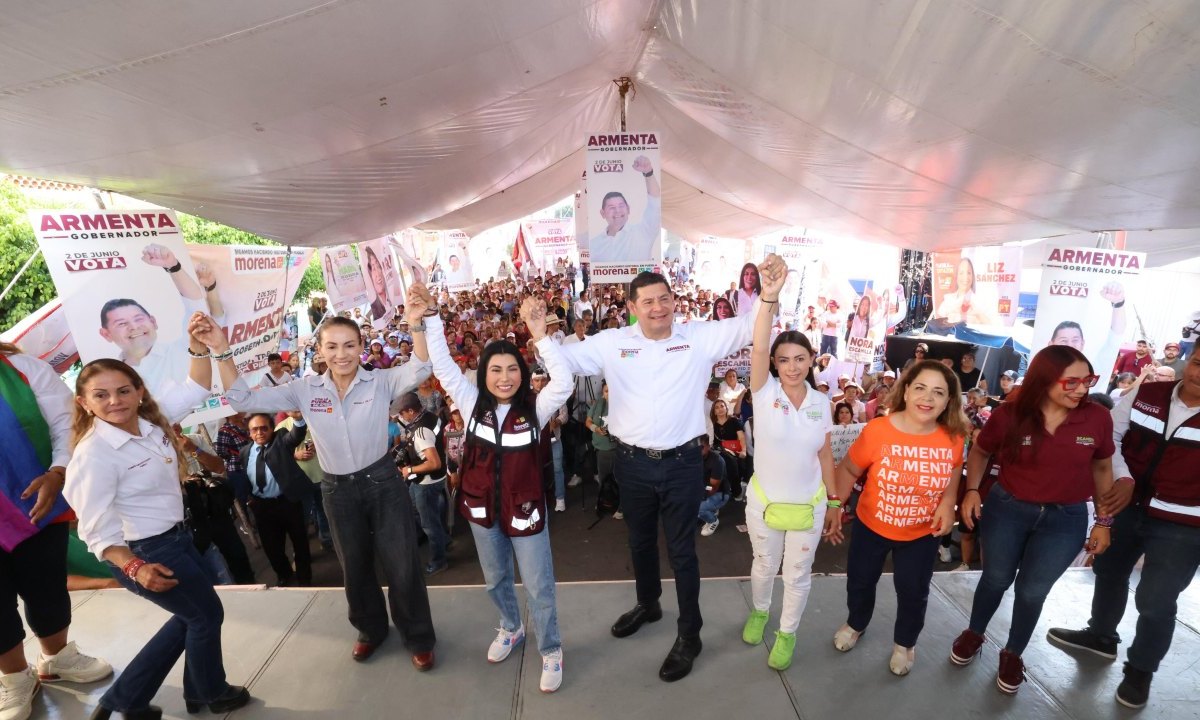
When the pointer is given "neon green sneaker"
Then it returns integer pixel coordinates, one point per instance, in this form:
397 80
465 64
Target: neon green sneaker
781 654
752 633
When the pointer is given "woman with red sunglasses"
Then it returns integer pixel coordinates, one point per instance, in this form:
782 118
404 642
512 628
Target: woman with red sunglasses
1055 451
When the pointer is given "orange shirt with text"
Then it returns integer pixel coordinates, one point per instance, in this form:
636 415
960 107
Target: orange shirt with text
905 477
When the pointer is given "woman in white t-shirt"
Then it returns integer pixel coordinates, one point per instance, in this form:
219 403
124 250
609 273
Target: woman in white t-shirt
731 392
794 465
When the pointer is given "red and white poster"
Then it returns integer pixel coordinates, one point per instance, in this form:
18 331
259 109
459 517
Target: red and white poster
978 287
551 241
455 261
624 204
1082 301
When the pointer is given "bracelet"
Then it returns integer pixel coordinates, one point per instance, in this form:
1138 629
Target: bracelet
174 268
833 503
131 568
974 490
648 174
832 497
212 287
199 356
1118 304
1104 521
223 356
419 327
770 302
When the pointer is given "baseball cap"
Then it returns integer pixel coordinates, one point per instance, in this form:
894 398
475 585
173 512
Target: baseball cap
1171 345
822 382
890 373
1010 374
843 376
394 335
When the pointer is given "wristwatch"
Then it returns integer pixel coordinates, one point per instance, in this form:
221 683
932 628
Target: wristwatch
174 268
419 327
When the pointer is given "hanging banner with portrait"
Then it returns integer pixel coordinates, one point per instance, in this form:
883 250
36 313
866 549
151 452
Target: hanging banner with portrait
378 266
624 204
551 242
1082 301
343 278
455 261
977 287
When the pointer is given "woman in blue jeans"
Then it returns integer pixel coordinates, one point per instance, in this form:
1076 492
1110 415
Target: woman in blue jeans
1055 451
123 482
501 488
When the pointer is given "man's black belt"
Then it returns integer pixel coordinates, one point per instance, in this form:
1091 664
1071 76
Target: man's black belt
659 454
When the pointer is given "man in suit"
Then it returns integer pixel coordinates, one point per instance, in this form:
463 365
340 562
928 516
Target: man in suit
276 494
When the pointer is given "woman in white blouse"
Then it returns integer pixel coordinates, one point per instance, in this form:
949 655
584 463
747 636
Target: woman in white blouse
123 482
794 466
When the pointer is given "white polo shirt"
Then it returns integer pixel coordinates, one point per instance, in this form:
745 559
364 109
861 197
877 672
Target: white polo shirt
787 439
656 387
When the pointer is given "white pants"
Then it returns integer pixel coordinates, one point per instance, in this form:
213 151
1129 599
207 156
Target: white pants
795 550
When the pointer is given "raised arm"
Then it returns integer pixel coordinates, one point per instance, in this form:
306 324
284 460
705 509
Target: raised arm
457 386
773 273
562 383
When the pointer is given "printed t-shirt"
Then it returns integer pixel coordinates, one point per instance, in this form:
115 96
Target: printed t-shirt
905 477
1060 471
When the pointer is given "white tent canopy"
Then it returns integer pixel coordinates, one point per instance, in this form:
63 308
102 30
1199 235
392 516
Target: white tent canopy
916 123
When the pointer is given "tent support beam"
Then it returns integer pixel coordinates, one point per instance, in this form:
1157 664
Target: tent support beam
624 85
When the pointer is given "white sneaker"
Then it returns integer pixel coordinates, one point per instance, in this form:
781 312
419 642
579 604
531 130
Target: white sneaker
72 666
560 505
961 568
902 660
17 691
845 638
710 528
574 481
944 554
504 643
551 671
618 515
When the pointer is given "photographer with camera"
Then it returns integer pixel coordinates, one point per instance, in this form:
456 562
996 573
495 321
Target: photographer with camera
209 499
419 459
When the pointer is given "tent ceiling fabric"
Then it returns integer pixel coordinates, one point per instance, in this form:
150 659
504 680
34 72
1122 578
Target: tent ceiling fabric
920 123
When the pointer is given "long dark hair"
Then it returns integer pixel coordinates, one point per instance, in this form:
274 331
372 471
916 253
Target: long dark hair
757 278
1044 370
795 337
523 400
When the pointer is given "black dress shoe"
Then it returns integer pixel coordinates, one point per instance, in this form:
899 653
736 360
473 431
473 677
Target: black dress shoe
150 712
233 698
629 623
679 661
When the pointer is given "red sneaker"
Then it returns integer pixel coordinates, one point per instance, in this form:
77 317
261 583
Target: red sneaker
967 646
1011 673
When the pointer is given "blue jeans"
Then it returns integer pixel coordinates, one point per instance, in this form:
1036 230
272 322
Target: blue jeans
1172 556
912 571
430 501
370 515
315 508
711 504
217 566
829 345
194 629
496 552
670 489
1032 544
560 485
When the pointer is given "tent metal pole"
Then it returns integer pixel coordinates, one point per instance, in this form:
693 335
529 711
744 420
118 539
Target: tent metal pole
13 282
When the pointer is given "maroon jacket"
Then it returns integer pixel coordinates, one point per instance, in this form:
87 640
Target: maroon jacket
502 474
1165 468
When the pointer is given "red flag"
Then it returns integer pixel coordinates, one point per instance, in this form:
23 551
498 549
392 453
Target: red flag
520 253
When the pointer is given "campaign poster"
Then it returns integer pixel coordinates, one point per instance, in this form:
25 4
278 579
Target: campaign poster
343 278
455 261
624 204
551 242
802 253
45 335
1083 303
128 287
581 222
383 277
713 263
977 287
409 246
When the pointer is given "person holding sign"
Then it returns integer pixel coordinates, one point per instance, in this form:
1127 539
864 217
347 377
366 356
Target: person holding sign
912 458
500 490
785 505
367 502
1055 451
624 242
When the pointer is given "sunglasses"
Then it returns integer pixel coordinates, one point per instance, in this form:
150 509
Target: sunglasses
1073 383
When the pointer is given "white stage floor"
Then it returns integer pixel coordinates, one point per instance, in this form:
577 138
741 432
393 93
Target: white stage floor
292 648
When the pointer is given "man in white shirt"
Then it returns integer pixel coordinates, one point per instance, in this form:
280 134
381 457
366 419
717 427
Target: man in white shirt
829 329
622 242
657 371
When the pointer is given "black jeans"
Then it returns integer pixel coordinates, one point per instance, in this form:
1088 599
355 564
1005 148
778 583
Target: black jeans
912 568
371 517
279 519
670 489
35 570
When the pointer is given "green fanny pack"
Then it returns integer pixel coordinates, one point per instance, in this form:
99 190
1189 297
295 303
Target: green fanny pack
788 516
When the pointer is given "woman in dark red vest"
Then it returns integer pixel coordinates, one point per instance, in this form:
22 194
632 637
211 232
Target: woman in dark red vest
501 491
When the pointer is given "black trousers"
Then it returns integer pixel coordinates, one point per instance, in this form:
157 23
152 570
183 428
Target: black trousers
279 519
36 571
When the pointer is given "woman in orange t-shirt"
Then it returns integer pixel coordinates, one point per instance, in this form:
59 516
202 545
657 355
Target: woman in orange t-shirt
912 460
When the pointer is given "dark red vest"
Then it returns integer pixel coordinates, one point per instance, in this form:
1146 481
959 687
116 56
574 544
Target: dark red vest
502 474
1167 470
